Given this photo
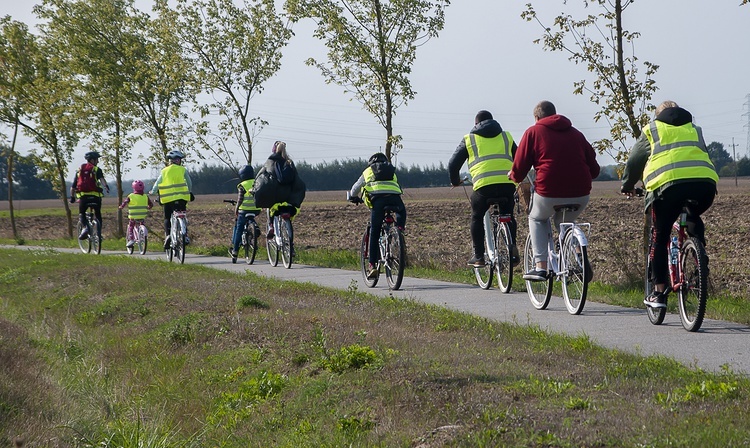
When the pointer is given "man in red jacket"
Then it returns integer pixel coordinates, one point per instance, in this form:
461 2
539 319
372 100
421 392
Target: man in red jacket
565 164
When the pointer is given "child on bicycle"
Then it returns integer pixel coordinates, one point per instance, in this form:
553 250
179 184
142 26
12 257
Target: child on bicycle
378 186
244 209
138 205
671 158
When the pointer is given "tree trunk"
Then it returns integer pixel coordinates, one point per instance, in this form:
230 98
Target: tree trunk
11 155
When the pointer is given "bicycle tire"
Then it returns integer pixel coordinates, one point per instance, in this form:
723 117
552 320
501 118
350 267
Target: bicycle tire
142 239
178 242
574 257
272 249
539 292
693 292
395 258
655 315
364 262
483 274
251 242
84 245
95 238
130 248
503 263
285 229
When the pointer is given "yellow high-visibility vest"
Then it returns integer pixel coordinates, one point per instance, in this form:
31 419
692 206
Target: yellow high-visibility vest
138 206
173 186
490 159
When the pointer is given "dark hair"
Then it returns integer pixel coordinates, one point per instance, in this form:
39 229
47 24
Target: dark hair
482 115
544 109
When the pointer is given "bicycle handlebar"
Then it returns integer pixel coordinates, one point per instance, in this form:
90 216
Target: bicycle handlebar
230 201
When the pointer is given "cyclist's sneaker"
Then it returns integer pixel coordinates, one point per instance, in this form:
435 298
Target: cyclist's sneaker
476 261
233 254
656 300
514 257
167 243
130 243
292 252
257 232
372 272
536 275
84 234
187 240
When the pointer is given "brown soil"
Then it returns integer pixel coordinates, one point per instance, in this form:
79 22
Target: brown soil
437 229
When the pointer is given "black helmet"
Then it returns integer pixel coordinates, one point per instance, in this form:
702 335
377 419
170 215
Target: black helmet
92 155
378 157
247 172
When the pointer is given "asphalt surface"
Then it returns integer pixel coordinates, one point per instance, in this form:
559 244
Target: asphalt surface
716 345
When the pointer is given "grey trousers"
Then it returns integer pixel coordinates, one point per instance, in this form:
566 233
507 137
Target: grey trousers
542 209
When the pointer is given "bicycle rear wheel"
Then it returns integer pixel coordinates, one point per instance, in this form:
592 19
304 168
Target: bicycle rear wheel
395 258
574 279
95 238
693 293
178 242
85 245
655 315
285 229
142 239
539 292
503 265
364 262
251 242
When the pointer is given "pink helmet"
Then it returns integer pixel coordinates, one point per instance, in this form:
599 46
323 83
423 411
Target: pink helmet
138 186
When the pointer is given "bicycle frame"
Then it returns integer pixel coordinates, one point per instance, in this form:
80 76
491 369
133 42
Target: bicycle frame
180 216
676 275
553 259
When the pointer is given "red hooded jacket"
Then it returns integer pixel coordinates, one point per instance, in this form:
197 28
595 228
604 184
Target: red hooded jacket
564 160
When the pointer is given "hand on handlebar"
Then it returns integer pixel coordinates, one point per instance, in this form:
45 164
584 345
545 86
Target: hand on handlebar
631 193
463 181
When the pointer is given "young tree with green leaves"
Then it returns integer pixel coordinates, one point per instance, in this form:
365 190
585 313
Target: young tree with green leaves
372 45
235 50
16 50
600 42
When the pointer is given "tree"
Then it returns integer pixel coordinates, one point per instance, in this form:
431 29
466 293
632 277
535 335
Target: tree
718 155
235 50
372 45
16 48
623 97
26 181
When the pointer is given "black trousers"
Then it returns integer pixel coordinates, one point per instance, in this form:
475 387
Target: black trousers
86 201
664 212
479 207
180 205
379 202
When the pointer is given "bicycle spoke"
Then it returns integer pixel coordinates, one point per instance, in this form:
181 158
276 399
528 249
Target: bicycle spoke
692 294
539 292
574 260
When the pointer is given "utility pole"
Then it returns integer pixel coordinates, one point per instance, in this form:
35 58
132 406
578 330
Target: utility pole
736 166
747 125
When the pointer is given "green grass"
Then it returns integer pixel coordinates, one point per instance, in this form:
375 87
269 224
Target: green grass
122 351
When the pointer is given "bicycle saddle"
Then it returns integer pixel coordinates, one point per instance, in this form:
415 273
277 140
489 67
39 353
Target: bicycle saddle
498 201
566 207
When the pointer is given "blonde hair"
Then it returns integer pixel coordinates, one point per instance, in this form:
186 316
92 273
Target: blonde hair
664 105
281 150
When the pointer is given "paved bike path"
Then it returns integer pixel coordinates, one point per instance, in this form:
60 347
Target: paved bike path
717 344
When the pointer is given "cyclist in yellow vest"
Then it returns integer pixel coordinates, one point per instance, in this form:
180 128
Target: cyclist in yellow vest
244 209
489 152
174 187
89 196
671 159
138 206
378 186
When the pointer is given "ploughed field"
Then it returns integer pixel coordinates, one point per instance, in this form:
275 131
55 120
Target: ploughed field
437 229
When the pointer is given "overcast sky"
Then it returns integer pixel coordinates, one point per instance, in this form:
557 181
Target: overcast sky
485 58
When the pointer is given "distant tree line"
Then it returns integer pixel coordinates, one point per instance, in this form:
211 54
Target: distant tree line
27 184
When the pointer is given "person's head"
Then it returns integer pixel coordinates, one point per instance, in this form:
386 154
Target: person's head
378 157
544 109
92 157
175 156
482 115
280 149
247 172
664 105
138 187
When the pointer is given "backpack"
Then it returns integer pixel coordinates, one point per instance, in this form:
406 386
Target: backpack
86 182
383 170
285 172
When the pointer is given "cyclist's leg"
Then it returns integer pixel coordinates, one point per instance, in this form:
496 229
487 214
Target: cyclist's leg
376 219
665 210
539 228
131 230
239 227
168 209
701 192
82 206
180 205
479 207
97 201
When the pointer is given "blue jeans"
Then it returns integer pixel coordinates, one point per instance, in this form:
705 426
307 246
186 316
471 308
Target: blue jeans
239 227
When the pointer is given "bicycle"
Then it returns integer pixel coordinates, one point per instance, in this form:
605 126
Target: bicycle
140 238
178 236
250 234
570 265
688 274
93 239
280 243
392 249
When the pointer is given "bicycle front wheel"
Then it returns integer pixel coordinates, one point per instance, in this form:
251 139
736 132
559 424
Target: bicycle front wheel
395 258
85 245
142 239
503 264
286 242
655 315
539 292
364 262
95 237
575 277
251 242
273 251
693 292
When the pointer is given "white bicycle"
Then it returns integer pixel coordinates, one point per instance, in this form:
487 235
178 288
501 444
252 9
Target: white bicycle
570 264
178 236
